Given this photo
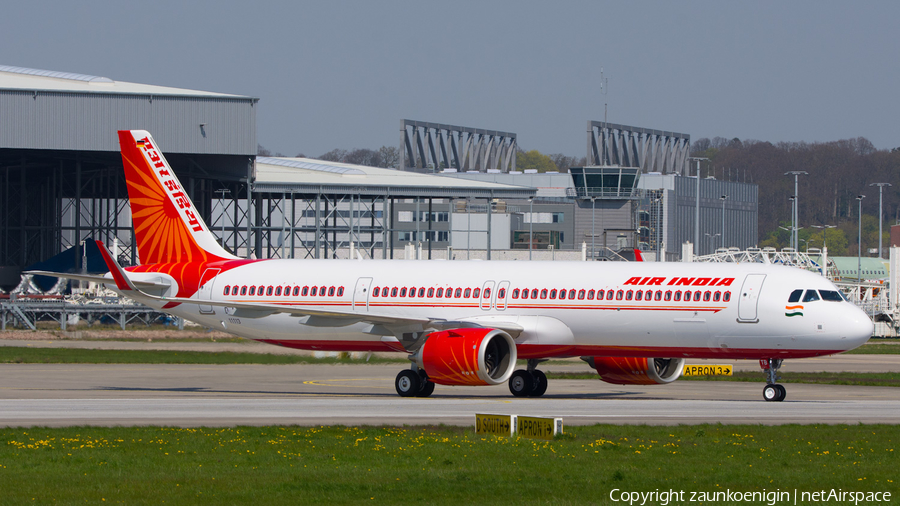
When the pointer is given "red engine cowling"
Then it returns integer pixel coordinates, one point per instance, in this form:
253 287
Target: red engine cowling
470 356
637 370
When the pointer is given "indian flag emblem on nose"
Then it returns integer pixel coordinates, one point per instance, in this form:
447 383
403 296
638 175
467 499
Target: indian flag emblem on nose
793 310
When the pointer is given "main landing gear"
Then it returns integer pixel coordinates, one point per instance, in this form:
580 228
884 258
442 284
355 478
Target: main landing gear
530 382
413 383
772 392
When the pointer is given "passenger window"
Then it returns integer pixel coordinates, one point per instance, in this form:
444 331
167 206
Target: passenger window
609 294
259 291
403 292
717 296
287 291
394 291
341 291
572 294
795 296
252 290
268 291
619 295
277 291
501 293
726 296
296 291
697 296
227 288
515 293
811 295
638 295
459 292
421 292
244 290
305 291
331 292
599 294
525 293
581 294
590 295
706 296
553 293
487 293
544 293
668 295
677 296
831 295
375 292
312 291
440 292
412 291
467 293
659 295
648 295
430 292
322 291
628 295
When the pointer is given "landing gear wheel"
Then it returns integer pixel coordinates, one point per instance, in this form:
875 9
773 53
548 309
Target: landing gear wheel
407 383
774 392
540 383
521 384
426 386
782 393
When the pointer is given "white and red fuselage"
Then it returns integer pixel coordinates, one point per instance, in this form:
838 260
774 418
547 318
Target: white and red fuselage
734 312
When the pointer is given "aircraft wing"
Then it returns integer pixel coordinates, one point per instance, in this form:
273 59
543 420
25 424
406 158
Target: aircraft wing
93 278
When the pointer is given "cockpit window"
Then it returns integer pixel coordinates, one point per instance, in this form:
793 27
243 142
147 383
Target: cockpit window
811 295
831 295
795 296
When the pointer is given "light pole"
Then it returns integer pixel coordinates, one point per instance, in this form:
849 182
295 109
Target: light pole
880 213
697 210
796 208
824 233
593 209
859 198
793 199
530 225
724 198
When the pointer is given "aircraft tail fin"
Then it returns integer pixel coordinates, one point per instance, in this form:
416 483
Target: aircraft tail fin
167 226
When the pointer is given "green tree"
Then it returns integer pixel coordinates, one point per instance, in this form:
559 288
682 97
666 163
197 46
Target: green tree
534 159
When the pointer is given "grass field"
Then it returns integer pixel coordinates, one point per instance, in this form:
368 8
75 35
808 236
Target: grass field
433 465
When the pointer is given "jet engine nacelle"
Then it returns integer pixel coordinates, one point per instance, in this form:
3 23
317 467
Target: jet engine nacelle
637 370
469 356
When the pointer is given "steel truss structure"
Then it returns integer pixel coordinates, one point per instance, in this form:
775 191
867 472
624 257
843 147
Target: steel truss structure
430 147
26 314
628 146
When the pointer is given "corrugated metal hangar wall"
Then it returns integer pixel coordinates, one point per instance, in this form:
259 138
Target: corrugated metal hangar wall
61 176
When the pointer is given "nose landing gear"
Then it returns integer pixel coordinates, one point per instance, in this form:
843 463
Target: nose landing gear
772 392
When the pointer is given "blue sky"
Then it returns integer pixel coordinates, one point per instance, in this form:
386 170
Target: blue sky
341 74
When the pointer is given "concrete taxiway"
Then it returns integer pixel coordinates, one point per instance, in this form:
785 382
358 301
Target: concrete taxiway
223 395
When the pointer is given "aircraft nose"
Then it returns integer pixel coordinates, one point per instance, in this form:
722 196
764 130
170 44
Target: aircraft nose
858 328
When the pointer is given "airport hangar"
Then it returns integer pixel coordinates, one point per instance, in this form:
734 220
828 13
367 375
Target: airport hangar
61 182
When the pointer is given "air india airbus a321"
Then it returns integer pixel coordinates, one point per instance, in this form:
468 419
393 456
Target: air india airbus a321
467 322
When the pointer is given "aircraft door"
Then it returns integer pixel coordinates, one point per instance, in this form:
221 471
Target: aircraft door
502 295
207 280
487 291
361 294
749 298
